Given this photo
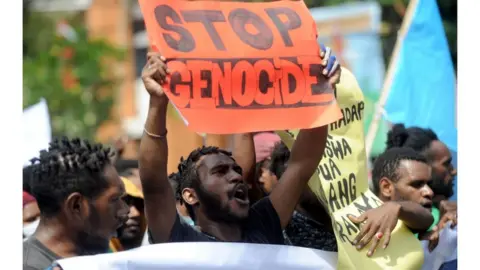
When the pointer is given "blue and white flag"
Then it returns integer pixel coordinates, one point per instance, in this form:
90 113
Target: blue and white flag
423 91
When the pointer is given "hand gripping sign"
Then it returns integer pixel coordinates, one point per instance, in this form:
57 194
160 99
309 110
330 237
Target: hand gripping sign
241 67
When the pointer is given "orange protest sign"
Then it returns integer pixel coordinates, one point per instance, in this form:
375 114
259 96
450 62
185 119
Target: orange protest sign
241 67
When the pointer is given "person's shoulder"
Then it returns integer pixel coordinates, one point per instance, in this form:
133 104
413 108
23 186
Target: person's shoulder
35 255
27 267
54 266
263 223
183 232
262 205
27 246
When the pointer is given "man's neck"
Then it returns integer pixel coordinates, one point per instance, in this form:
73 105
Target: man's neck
229 232
56 238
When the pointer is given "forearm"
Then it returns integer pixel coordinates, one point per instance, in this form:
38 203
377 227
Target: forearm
305 156
153 154
244 154
415 216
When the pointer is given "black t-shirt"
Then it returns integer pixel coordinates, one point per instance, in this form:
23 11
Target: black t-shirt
36 256
303 231
261 227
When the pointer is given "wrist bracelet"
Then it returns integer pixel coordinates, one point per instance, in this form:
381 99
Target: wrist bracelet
155 135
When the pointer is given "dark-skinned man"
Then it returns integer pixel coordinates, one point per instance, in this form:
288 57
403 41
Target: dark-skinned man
213 183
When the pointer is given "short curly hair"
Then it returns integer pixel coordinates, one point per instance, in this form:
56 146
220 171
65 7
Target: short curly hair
386 165
187 171
68 166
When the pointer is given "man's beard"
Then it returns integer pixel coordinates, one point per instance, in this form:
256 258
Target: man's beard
439 187
213 208
129 241
88 242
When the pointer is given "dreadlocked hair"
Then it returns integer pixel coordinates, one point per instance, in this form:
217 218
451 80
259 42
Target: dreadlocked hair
68 166
419 139
188 171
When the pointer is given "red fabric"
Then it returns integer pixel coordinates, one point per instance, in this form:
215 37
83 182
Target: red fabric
264 144
27 198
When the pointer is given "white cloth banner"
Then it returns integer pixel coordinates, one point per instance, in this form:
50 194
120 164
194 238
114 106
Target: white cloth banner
187 256
445 251
37 132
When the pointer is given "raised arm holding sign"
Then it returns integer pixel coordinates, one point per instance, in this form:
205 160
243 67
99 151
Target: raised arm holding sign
212 184
257 63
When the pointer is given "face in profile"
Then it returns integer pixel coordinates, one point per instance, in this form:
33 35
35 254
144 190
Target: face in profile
103 215
134 228
412 184
267 180
31 213
443 172
31 218
221 192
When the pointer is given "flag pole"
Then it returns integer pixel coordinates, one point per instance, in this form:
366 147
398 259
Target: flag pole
373 128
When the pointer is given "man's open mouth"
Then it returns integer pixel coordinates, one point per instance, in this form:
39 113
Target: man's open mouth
240 194
428 205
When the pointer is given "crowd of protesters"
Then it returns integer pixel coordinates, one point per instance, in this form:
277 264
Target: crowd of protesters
82 198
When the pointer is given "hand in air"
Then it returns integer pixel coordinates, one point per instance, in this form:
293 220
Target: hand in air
376 225
331 66
448 212
447 206
450 216
154 74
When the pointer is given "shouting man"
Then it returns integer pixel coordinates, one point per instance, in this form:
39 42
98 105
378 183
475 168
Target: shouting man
214 186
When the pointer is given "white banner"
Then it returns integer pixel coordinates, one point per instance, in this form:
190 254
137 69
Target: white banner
37 132
187 256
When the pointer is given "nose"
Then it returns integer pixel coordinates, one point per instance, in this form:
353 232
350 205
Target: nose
133 212
427 192
124 211
453 172
234 177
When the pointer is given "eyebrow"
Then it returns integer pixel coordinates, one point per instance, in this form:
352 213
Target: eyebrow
220 165
421 180
448 160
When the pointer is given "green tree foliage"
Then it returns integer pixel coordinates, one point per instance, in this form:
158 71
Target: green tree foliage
74 76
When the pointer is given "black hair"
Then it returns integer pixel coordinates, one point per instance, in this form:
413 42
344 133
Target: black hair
387 164
187 171
124 165
265 163
175 179
419 139
68 166
27 178
279 158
